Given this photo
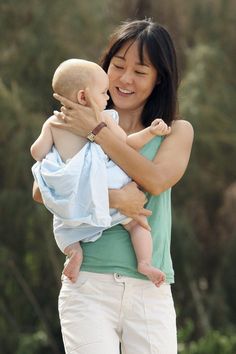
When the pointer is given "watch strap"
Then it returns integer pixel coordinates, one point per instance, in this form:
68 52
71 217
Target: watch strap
91 135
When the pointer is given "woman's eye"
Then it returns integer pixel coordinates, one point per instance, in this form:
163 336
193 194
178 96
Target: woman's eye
140 72
118 66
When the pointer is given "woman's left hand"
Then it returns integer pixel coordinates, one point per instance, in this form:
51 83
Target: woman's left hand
75 117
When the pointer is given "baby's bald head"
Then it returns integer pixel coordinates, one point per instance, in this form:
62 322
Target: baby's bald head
73 75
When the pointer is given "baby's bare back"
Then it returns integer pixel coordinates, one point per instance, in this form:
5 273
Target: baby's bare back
66 143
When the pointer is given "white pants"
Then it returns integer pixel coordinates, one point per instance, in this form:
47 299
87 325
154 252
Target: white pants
101 310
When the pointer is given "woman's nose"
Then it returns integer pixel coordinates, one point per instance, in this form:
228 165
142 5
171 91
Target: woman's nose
126 77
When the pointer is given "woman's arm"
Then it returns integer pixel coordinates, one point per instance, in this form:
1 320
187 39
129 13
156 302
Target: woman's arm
165 170
154 176
129 200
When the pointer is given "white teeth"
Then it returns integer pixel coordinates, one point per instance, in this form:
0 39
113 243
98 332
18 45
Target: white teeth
124 91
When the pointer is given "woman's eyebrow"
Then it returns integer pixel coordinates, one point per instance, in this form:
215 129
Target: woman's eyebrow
137 63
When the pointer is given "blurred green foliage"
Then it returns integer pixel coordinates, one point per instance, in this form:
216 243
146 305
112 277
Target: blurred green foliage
213 343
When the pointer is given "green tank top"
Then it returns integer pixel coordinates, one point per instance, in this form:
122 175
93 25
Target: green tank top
113 251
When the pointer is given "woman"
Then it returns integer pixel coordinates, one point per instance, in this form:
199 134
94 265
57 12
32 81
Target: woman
111 302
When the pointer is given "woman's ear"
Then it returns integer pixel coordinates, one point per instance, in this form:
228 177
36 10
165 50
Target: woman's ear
81 97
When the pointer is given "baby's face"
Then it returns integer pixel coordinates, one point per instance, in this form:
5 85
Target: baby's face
99 90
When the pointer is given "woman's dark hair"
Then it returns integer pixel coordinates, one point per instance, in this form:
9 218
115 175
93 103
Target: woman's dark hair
156 41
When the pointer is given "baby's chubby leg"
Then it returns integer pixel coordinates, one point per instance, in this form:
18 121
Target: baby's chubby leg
72 268
142 243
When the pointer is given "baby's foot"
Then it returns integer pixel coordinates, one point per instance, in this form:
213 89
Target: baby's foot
154 274
72 268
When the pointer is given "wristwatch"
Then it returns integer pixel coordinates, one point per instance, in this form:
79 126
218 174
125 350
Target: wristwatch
91 135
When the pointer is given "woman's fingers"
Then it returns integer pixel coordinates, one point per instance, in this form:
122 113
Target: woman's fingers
64 101
66 112
59 115
92 104
146 212
142 221
90 101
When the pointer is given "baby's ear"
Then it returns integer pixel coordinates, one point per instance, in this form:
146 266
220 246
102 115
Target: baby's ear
81 97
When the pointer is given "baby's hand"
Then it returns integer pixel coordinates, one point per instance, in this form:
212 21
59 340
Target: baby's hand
159 127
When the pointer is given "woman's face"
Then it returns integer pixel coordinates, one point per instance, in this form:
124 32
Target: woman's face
131 82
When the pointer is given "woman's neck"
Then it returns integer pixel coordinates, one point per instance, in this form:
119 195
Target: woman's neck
130 121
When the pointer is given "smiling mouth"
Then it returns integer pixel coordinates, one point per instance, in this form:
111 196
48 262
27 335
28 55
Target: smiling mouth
124 91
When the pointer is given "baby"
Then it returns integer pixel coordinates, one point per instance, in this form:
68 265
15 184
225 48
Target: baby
74 175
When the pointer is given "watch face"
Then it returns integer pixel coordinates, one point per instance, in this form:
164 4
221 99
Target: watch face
91 137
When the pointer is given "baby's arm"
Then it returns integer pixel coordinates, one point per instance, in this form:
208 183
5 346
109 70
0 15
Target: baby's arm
114 127
139 139
44 143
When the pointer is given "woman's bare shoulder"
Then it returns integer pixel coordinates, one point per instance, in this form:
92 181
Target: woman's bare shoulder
182 129
183 125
